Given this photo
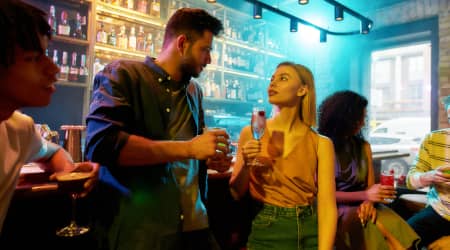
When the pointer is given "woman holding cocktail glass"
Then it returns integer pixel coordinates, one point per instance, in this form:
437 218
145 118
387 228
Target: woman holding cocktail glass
292 182
363 222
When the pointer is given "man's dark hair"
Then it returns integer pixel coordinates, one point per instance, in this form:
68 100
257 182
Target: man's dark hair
21 25
191 22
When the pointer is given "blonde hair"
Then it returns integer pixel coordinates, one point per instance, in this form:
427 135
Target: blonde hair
307 109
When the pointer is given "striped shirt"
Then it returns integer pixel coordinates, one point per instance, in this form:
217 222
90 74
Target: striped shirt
435 152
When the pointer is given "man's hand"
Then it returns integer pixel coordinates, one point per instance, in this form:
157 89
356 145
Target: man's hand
220 163
211 144
91 167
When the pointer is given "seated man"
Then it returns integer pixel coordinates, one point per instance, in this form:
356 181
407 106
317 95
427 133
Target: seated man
27 78
432 169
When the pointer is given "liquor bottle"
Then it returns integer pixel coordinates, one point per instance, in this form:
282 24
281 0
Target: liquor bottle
140 40
130 4
158 42
102 37
172 7
112 37
52 19
73 70
149 47
83 72
55 60
215 55
142 6
155 9
64 72
64 27
122 38
132 39
78 33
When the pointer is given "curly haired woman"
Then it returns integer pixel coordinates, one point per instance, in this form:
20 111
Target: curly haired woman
363 221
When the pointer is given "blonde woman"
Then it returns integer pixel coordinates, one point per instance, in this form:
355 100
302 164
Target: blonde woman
293 186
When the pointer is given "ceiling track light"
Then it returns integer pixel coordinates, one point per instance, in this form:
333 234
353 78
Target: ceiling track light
338 13
257 11
294 25
323 36
211 1
365 26
303 2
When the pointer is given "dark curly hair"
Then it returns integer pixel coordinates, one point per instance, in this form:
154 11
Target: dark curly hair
192 22
340 115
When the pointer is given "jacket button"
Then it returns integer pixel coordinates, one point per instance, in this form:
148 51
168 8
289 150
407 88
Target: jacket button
167 90
181 217
167 110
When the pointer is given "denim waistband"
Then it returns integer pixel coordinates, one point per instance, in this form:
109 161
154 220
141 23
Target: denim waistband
303 210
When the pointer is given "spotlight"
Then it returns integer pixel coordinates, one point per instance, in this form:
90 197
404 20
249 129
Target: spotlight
257 11
294 25
211 1
338 13
303 2
323 36
365 26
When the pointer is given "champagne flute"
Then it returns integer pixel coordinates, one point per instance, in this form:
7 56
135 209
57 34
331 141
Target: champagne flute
73 183
258 126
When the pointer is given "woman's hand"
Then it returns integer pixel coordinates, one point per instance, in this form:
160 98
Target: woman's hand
378 193
366 211
250 150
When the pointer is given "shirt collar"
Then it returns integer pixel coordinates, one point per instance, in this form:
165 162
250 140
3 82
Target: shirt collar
163 76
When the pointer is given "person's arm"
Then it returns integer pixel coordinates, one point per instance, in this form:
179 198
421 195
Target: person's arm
326 199
440 244
422 174
109 140
240 177
142 151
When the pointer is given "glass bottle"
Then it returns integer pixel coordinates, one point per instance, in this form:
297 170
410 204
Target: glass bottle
55 60
149 47
64 27
132 39
142 6
155 9
140 40
78 33
73 70
112 40
122 38
102 37
52 19
83 72
172 7
130 4
64 72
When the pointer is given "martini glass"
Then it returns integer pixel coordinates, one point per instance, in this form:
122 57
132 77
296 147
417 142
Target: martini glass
72 183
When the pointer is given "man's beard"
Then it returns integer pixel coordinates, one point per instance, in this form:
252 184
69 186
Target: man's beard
187 68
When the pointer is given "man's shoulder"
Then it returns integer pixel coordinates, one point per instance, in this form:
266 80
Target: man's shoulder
20 118
19 122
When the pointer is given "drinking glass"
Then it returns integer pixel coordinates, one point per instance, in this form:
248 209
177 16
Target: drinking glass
387 178
258 126
72 183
